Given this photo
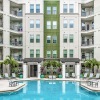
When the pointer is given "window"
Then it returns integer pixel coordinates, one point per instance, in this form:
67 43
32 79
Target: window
71 38
65 23
71 53
54 52
48 54
65 7
37 8
71 23
31 23
54 24
65 53
37 23
54 39
48 10
65 36
54 10
48 39
31 38
71 8
37 53
31 53
48 24
31 8
38 38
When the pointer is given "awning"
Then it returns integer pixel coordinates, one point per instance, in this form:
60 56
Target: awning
39 60
76 60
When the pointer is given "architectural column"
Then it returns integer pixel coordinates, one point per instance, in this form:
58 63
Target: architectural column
39 71
63 71
25 70
77 70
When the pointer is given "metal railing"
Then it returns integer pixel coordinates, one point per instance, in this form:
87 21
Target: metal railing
19 43
16 28
87 28
87 13
16 13
87 43
18 58
87 57
1 8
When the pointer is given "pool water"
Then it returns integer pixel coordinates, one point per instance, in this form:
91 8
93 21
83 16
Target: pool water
51 90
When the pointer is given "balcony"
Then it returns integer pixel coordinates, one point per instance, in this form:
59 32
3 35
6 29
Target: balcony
1 8
1 53
87 43
88 13
16 54
87 57
87 27
17 28
13 43
17 57
17 13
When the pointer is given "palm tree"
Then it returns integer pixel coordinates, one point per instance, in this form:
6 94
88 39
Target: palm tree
91 64
11 62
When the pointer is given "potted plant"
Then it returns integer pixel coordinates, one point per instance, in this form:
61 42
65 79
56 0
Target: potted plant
42 70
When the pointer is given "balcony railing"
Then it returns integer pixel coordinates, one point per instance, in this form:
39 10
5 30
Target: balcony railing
87 28
1 24
87 57
16 13
19 43
18 58
87 13
87 43
1 57
16 28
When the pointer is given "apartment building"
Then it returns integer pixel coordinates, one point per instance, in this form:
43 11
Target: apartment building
36 30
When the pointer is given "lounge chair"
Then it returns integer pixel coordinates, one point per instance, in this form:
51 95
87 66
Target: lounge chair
85 75
97 76
66 75
54 77
73 75
50 76
1 76
6 75
13 75
91 75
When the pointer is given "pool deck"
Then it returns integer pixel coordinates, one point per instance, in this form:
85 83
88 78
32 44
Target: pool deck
4 84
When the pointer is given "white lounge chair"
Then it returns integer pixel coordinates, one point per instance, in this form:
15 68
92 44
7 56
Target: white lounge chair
97 76
73 75
91 75
66 75
54 77
6 75
50 76
85 75
13 75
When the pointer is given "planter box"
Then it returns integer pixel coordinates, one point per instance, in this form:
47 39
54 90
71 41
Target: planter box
60 76
41 76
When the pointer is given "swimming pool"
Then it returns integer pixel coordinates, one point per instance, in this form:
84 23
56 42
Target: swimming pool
51 90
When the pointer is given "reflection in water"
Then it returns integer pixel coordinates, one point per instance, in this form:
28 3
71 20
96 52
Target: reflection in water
63 87
38 87
51 90
25 88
